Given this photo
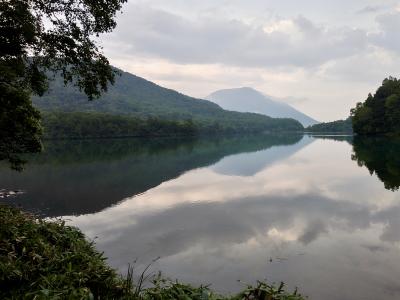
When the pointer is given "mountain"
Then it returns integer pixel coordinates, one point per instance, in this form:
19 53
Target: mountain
136 97
249 100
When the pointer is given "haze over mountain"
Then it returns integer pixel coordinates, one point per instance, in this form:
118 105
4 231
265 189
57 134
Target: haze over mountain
247 99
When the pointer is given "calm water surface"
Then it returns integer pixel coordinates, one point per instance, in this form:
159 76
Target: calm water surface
320 213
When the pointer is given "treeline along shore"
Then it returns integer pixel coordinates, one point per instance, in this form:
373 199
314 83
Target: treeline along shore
101 125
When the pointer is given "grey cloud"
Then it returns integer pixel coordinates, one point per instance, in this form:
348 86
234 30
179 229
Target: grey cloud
390 218
370 9
312 232
207 40
376 248
389 36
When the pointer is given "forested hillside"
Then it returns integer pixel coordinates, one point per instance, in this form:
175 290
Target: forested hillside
100 125
130 95
142 106
339 126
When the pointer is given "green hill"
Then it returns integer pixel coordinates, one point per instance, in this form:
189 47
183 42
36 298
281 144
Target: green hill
136 98
340 126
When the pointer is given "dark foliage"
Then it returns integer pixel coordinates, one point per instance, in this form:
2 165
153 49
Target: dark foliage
20 128
98 125
340 126
381 156
30 51
64 45
380 113
49 260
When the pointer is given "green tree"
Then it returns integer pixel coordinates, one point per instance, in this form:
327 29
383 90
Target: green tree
41 37
343 126
392 105
379 113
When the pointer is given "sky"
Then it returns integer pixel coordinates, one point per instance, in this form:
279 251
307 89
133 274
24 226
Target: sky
322 57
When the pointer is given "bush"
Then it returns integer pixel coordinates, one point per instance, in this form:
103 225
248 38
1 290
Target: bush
41 259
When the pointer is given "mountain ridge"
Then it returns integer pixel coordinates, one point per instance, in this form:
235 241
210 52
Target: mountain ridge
133 96
247 99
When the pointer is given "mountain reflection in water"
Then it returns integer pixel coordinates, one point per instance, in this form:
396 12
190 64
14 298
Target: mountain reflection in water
85 176
304 210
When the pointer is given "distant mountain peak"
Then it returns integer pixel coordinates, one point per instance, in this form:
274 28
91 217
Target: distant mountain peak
246 88
248 99
240 89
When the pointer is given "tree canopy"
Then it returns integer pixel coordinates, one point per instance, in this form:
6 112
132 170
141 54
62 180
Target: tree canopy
379 113
40 37
339 126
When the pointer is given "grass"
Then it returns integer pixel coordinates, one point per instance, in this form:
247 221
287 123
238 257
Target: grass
42 259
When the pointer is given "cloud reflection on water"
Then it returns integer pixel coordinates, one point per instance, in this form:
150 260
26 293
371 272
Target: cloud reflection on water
324 223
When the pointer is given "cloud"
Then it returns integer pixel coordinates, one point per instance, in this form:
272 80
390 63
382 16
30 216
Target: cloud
376 248
312 232
370 9
368 68
205 40
388 37
323 62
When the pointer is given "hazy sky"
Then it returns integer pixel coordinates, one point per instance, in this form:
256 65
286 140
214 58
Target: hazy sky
319 56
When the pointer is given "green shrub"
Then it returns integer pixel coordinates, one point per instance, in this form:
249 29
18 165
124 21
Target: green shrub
41 259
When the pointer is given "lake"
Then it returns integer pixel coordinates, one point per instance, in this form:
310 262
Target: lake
321 213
